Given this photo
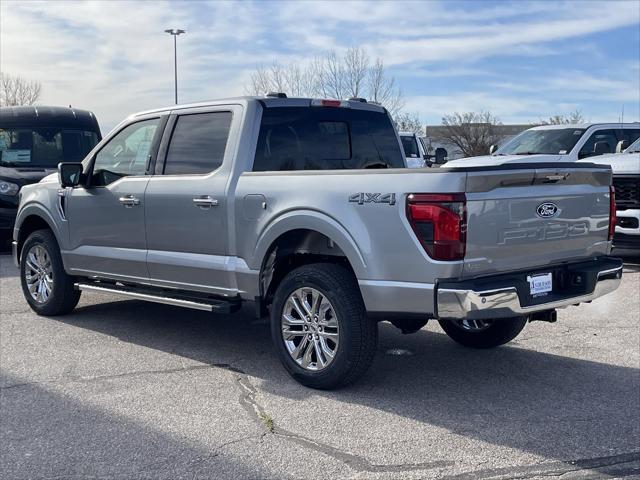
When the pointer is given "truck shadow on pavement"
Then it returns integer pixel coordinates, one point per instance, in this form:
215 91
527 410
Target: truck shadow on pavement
47 435
552 406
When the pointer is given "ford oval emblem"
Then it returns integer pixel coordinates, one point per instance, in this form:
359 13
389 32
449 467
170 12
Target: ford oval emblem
547 210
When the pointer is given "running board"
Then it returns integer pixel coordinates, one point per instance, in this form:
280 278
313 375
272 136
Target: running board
208 305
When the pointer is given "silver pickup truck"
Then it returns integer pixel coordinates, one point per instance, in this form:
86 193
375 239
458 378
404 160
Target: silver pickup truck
306 208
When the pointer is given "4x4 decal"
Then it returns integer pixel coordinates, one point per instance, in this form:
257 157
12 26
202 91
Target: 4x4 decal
362 198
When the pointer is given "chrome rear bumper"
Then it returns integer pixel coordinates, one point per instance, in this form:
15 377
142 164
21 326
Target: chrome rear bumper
505 302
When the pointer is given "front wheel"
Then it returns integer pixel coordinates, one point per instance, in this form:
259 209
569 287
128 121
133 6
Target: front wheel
45 285
483 333
320 327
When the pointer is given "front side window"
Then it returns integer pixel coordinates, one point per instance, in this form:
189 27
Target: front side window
44 147
604 136
125 154
410 146
325 138
553 141
198 143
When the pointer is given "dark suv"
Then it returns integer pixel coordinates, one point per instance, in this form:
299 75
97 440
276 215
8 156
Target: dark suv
33 141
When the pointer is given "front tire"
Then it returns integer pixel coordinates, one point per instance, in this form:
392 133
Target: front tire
320 327
483 333
45 285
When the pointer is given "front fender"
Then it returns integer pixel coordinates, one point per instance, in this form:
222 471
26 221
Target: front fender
315 221
42 201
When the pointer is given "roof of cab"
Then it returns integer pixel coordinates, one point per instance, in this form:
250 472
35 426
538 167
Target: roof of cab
48 116
265 101
586 125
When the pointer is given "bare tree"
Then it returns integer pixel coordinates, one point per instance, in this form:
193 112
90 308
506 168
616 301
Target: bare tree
356 69
472 132
382 89
332 76
409 122
573 117
16 90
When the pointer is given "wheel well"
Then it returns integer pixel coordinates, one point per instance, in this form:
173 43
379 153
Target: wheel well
28 226
292 250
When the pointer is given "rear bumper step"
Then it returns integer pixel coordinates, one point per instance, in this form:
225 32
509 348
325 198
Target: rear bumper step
463 301
205 304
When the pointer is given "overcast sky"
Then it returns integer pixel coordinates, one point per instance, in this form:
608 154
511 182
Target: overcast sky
521 61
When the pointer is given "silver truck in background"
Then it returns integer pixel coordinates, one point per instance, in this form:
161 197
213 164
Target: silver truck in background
306 208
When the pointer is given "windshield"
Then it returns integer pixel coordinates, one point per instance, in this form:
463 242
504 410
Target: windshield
410 146
551 141
634 147
44 147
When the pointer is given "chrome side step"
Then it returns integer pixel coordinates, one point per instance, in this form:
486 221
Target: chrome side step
214 306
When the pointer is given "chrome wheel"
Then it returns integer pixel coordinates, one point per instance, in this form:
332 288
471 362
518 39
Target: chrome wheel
38 273
474 325
310 329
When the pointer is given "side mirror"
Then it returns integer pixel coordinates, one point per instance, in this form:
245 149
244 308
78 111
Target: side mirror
441 155
70 174
492 149
600 148
622 145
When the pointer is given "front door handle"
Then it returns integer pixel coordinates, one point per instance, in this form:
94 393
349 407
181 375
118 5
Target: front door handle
129 201
205 202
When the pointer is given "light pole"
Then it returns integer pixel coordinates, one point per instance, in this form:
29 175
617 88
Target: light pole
175 32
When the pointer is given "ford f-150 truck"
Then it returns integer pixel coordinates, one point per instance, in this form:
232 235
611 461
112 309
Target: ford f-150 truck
306 209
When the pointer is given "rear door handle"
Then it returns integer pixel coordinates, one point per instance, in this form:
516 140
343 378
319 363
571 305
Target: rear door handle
205 202
129 201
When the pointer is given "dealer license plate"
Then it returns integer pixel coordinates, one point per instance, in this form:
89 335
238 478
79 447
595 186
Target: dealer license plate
540 284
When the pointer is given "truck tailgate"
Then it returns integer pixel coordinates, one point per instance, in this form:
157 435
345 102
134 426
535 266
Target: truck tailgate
534 216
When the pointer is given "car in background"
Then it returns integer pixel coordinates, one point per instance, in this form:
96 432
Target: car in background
626 181
33 141
558 143
415 152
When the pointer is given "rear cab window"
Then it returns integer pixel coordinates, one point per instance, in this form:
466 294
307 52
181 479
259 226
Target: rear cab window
325 138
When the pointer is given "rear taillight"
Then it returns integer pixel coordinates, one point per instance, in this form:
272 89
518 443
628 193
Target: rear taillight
612 212
439 220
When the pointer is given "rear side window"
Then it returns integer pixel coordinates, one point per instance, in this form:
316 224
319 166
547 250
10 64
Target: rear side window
325 138
198 143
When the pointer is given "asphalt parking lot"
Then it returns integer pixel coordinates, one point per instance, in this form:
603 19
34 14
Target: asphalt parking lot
125 389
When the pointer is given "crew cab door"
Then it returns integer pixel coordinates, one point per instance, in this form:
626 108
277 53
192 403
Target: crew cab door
186 204
106 217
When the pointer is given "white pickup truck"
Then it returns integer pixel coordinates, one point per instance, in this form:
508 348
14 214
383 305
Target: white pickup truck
558 143
626 181
416 153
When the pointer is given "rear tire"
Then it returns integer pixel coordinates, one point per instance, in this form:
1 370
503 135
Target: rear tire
45 285
320 327
492 333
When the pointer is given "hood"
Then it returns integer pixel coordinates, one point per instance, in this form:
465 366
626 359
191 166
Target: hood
25 175
490 160
620 163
